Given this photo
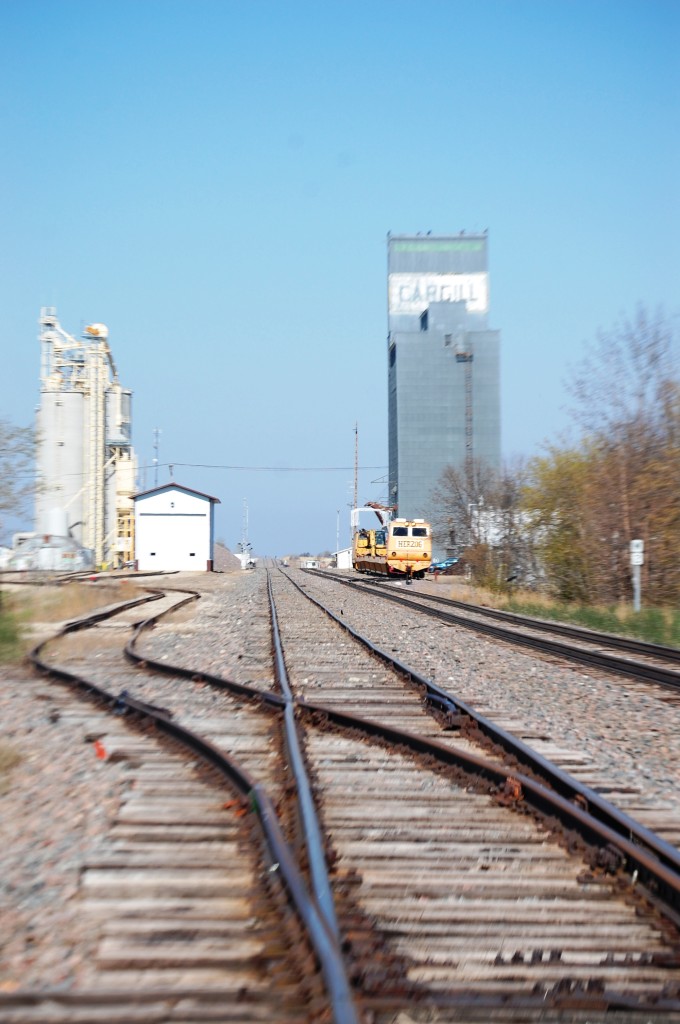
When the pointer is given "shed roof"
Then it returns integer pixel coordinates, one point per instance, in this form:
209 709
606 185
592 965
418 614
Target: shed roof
175 487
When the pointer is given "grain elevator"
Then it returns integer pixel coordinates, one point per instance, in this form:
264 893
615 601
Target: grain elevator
443 364
85 462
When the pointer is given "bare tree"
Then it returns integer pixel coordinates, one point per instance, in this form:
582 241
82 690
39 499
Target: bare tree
479 517
621 381
17 472
454 500
621 483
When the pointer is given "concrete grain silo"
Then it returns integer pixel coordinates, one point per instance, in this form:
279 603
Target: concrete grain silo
85 461
59 426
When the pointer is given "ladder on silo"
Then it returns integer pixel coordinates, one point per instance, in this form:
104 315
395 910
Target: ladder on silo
466 357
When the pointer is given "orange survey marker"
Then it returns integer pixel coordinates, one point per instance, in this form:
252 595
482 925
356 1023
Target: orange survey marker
100 750
513 789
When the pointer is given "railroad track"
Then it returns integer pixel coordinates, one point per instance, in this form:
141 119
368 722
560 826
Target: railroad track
467 885
458 887
323 670
192 908
498 714
653 662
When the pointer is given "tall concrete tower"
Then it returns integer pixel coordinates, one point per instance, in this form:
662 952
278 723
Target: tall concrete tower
86 465
443 364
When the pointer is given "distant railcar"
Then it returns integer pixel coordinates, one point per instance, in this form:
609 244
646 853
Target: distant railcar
403 547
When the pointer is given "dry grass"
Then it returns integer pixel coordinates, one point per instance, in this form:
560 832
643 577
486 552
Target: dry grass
468 592
655 625
25 610
9 758
60 604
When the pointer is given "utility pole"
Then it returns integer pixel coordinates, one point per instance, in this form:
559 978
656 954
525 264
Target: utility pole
156 448
356 465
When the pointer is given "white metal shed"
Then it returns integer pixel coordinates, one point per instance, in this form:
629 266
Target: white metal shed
174 529
343 558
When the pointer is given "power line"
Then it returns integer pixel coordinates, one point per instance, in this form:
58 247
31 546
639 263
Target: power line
252 469
273 469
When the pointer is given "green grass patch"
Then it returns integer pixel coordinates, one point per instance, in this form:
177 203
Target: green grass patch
10 633
655 625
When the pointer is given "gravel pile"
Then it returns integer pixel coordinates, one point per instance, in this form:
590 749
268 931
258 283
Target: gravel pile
224 560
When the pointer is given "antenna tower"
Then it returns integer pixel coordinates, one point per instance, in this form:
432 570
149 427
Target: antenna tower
245 546
156 447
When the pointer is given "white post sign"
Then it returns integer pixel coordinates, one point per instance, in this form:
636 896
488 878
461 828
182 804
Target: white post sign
637 558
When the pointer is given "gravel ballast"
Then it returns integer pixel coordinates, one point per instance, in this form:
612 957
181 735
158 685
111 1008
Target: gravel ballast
59 797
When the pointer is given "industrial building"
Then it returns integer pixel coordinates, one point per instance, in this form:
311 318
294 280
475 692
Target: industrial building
86 466
174 529
443 364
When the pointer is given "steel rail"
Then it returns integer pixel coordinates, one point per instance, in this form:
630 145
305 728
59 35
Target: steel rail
624 643
44 578
310 823
562 783
660 878
323 940
607 662
647 857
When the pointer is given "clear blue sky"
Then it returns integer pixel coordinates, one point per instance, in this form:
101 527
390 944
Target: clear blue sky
215 182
